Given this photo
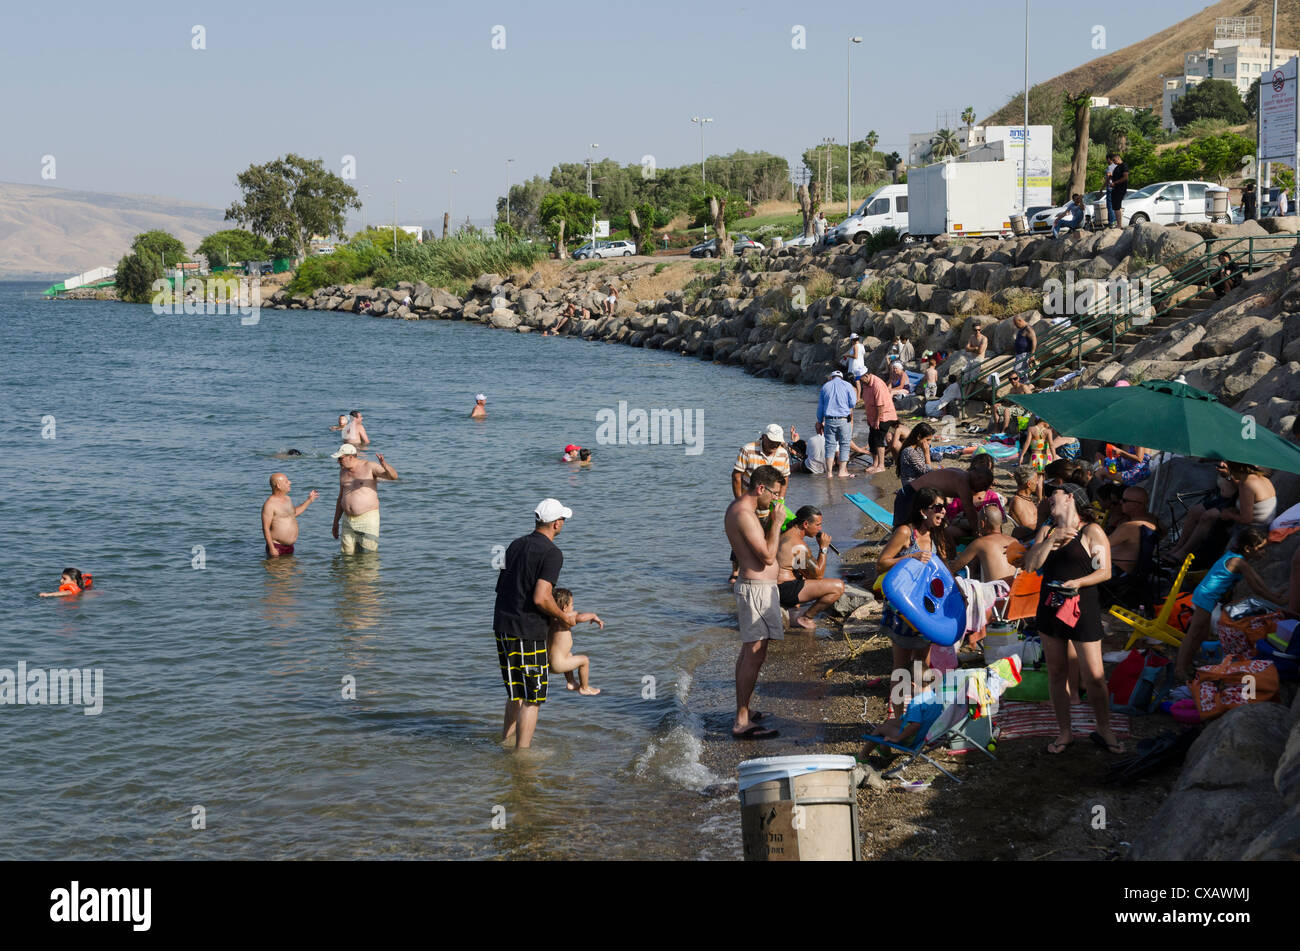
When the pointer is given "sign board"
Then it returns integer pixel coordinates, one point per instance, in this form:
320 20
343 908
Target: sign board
602 229
1277 114
1037 156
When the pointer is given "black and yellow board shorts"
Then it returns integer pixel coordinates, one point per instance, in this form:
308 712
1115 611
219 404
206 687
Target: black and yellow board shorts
524 665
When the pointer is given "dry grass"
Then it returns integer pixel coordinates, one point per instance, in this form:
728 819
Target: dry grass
645 284
764 208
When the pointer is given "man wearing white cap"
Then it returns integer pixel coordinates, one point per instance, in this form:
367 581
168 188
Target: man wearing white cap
524 606
767 450
835 421
358 502
480 407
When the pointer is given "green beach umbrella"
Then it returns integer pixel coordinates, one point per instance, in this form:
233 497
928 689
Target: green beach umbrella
1166 416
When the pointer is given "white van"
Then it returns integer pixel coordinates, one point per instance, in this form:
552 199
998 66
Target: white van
884 208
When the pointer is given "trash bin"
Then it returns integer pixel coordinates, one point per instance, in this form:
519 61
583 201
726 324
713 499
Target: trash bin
1217 201
1100 216
799 809
1019 225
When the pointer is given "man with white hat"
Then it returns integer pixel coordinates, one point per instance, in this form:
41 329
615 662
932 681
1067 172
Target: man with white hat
525 605
768 449
480 407
358 502
835 421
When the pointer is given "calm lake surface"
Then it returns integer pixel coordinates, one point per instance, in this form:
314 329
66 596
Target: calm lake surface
223 685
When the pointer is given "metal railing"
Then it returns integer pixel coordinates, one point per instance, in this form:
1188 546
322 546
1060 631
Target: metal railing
1160 290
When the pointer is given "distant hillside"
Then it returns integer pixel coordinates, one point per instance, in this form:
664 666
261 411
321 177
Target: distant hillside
56 232
1131 76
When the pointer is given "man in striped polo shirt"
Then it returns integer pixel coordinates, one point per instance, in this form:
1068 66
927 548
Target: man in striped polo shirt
767 450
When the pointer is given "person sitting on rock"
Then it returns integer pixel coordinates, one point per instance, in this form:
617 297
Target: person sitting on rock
1227 277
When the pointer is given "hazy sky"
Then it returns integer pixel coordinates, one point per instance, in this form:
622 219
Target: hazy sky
126 104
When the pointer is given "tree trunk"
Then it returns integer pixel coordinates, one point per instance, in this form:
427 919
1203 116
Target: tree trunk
640 237
805 208
560 252
1082 119
717 210
446 223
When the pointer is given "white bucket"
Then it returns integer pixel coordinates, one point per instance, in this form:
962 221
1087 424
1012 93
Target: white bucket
799 808
1019 225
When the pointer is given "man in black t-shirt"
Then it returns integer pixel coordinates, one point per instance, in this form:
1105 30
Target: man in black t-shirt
1118 187
524 606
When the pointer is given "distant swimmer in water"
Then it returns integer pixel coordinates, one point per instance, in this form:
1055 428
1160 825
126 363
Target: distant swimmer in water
358 502
71 582
584 458
355 431
280 516
480 408
342 425
571 453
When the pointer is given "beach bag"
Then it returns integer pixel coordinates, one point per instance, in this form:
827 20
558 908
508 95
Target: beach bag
1235 682
1140 683
1023 600
1239 635
1181 616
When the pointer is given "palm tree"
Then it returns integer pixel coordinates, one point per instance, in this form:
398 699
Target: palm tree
868 167
945 143
872 140
968 117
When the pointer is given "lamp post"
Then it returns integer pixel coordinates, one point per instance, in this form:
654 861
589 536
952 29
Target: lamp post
508 161
593 146
451 219
701 120
1024 144
826 177
848 121
396 182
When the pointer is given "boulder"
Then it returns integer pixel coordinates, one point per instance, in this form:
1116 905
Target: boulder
442 298
529 301
485 283
1224 792
1226 333
851 600
1288 225
1229 377
504 319
1281 382
1280 842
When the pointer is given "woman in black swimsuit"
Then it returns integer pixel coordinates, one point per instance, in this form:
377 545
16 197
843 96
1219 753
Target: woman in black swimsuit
1073 554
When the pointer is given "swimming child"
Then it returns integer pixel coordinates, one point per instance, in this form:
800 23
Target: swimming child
584 458
70 582
559 645
571 453
1217 585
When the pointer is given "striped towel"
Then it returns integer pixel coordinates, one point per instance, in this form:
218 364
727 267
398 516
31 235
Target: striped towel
1017 719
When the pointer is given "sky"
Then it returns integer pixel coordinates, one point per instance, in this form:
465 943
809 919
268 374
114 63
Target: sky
174 99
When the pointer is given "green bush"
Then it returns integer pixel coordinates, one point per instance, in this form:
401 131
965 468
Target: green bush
463 258
882 239
344 266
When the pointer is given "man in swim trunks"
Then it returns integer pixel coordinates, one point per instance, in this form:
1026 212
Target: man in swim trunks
800 579
358 502
525 606
280 516
480 407
758 605
355 432
1126 539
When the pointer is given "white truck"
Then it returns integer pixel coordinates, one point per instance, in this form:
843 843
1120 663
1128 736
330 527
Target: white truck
973 199
886 207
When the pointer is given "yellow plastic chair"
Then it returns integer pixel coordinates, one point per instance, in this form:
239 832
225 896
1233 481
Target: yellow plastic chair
1158 628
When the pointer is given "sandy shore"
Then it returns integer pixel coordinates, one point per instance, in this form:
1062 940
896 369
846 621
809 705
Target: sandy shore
1026 805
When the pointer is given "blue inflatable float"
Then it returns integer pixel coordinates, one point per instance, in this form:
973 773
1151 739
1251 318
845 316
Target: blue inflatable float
925 594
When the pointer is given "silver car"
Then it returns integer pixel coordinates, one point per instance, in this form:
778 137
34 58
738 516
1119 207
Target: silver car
605 249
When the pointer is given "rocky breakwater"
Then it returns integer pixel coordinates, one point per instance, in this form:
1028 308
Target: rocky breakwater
785 313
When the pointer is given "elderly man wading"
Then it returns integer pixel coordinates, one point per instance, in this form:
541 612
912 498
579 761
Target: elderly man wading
358 502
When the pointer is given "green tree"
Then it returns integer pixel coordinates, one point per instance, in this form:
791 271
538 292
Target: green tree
872 140
945 144
294 198
1220 156
134 278
1252 98
567 213
162 247
1210 99
382 238
732 211
868 167
233 244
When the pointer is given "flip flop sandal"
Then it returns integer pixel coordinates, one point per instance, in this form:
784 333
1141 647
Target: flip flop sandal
755 733
1100 740
1062 747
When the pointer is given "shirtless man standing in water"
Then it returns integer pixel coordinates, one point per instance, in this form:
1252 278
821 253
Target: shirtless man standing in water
280 516
358 503
355 432
758 603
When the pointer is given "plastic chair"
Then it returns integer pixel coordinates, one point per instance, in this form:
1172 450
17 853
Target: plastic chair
1158 627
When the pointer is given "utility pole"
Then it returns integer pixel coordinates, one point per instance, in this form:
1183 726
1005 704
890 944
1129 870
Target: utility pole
508 161
450 217
593 147
395 184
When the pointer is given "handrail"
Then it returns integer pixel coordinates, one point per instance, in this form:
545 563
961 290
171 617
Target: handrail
1198 266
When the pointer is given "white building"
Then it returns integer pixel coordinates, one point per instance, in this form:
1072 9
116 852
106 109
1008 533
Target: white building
920 144
415 231
1238 56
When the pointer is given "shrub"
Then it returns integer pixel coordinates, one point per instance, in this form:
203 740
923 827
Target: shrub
464 258
882 239
873 292
1018 302
818 284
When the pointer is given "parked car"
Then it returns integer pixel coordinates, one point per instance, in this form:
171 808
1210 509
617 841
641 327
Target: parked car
799 241
1040 219
1169 202
605 249
740 243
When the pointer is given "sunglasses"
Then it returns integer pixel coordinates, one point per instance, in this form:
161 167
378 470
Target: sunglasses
936 507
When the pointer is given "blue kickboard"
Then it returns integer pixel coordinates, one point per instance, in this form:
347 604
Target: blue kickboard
926 595
872 508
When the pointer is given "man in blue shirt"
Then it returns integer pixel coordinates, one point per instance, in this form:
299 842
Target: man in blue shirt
1071 217
835 421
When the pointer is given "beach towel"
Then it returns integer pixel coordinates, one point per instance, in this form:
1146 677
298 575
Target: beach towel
1017 720
980 597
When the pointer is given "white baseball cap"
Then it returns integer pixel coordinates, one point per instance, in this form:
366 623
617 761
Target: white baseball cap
347 449
775 433
837 373
548 510
854 337
480 398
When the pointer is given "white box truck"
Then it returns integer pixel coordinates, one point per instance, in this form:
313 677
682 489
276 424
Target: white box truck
886 207
974 199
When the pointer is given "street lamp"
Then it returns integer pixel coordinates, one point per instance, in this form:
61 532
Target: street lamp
508 161
848 121
451 219
593 146
1024 142
701 120
396 182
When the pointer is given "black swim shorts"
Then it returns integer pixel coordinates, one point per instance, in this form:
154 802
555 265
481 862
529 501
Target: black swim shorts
789 591
524 665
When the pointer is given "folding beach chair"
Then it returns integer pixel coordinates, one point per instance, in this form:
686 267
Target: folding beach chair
873 510
1158 627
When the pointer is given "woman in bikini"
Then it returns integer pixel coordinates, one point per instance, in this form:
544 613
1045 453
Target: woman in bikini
1037 445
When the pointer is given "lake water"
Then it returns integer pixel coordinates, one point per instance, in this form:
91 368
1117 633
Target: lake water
223 684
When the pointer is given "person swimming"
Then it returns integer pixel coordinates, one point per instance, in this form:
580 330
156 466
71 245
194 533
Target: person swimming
71 582
571 453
